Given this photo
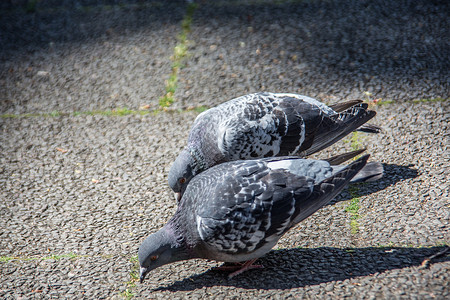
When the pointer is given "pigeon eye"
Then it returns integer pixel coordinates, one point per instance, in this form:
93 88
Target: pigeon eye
182 180
154 257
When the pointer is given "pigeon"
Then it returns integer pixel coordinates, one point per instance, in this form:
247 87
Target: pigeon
264 125
237 211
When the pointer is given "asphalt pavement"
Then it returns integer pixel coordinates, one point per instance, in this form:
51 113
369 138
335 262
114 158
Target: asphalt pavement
85 147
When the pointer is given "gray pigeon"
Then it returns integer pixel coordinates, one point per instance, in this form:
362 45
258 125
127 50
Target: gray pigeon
264 125
237 211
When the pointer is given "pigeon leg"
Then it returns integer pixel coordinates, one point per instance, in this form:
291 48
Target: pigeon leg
239 268
248 265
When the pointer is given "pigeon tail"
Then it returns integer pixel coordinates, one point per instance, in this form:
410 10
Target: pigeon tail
369 128
327 189
372 171
341 158
340 107
340 125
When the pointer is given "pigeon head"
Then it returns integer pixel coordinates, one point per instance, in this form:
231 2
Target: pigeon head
181 173
159 249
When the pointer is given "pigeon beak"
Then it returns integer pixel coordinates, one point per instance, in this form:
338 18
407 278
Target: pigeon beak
142 273
178 197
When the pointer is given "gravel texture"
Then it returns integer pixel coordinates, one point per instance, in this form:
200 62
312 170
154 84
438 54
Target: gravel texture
85 56
79 193
397 50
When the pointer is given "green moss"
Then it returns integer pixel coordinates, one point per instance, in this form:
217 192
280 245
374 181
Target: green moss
7 116
57 257
134 278
127 294
355 141
5 259
353 209
200 109
425 100
384 102
31 6
166 100
55 114
115 112
52 256
354 226
123 112
172 84
416 101
180 51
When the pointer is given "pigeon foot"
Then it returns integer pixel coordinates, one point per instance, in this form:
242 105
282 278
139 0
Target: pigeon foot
239 268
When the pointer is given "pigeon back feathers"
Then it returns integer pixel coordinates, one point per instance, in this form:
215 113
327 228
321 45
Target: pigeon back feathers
237 211
266 125
248 205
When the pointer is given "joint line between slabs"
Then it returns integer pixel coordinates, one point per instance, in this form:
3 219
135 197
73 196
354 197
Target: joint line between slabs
179 54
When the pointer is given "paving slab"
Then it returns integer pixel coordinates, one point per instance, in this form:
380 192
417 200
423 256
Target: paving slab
86 55
80 191
332 50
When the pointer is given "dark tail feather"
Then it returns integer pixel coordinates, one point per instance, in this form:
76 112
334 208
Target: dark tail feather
326 190
339 125
338 107
369 128
371 172
340 158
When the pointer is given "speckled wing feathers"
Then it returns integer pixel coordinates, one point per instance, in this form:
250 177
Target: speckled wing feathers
267 124
253 205
252 129
237 217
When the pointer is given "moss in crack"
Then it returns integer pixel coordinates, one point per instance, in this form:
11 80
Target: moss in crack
384 102
31 6
127 294
5 259
179 53
353 209
381 102
115 112
355 141
425 100
134 278
200 109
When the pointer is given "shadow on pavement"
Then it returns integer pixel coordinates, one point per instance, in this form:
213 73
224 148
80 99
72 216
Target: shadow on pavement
49 22
292 268
392 175
325 25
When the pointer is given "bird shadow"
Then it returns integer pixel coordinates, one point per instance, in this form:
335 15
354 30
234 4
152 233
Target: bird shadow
393 174
293 268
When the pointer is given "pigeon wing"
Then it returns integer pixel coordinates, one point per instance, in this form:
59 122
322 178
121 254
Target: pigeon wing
253 131
251 211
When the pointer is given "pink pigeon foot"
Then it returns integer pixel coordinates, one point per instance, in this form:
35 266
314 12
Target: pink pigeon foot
239 268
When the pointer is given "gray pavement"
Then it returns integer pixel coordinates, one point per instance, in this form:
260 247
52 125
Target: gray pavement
79 192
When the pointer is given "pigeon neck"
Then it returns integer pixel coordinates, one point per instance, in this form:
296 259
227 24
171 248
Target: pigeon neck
199 160
175 243
180 239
